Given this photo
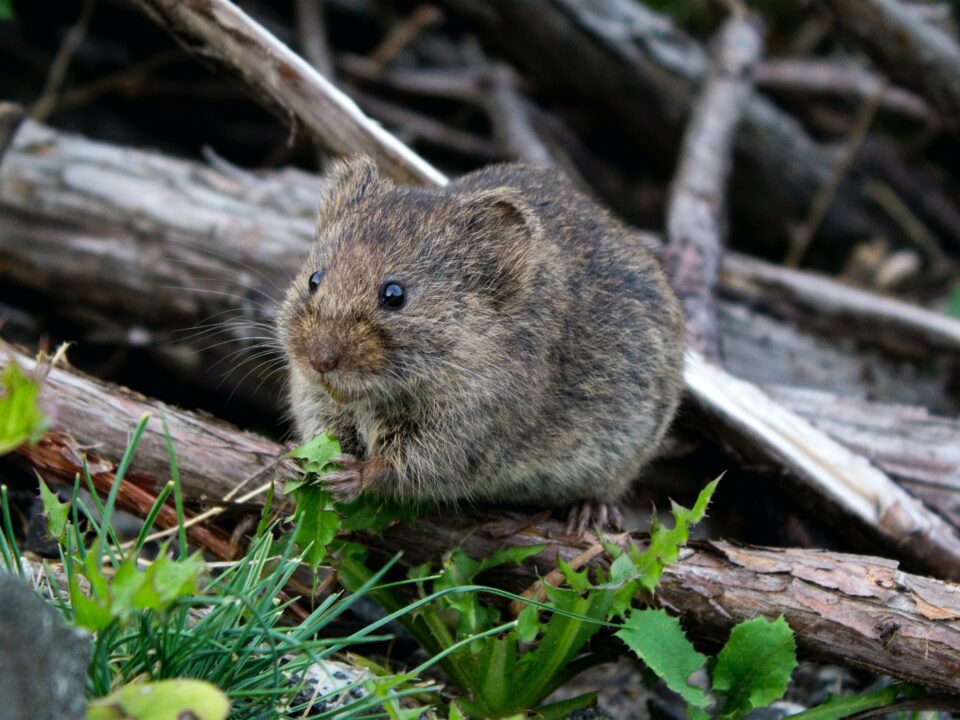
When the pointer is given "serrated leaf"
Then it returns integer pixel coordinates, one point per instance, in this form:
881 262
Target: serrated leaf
659 641
316 524
528 623
92 614
55 511
163 700
318 450
578 581
374 514
172 579
126 583
665 543
753 669
21 420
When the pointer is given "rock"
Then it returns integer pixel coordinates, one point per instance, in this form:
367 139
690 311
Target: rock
43 660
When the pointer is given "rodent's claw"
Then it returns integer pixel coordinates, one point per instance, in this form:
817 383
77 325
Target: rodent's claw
346 485
346 461
604 515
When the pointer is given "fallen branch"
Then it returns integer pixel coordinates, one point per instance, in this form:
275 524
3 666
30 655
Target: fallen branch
220 32
759 425
838 79
899 327
696 215
909 49
918 448
845 609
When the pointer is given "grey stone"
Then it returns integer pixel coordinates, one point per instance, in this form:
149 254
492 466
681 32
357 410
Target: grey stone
43 660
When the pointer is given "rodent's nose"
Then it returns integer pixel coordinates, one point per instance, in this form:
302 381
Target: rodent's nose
323 358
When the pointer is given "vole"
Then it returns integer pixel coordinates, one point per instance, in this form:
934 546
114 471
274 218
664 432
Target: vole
503 339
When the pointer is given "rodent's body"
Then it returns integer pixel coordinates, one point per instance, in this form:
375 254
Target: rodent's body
537 357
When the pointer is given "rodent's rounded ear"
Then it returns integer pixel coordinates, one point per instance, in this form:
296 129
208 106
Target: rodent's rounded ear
502 234
347 181
498 210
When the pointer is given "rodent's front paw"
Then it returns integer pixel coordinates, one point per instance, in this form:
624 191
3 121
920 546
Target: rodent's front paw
354 477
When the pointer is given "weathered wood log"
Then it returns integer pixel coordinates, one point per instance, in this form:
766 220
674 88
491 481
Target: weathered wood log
918 448
696 212
845 609
907 47
196 218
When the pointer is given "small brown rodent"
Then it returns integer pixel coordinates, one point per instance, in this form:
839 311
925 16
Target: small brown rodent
503 338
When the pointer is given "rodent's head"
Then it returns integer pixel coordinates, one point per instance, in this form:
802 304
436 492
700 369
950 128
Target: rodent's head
406 288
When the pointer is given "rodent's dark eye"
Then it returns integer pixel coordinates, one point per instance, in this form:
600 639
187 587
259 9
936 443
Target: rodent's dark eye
392 295
314 281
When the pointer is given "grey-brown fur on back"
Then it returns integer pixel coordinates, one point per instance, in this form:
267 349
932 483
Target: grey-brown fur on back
539 359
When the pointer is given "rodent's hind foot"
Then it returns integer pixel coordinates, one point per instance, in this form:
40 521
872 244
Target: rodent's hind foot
586 512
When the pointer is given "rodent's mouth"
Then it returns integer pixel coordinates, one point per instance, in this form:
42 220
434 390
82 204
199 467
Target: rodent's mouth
339 394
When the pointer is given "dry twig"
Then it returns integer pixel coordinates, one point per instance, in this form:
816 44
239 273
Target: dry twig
696 216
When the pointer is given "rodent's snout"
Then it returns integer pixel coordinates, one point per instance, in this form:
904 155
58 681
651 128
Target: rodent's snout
323 356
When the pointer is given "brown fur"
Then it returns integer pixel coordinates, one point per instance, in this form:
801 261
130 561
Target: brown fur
539 356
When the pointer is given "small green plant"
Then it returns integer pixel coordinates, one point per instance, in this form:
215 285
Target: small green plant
165 620
21 420
506 669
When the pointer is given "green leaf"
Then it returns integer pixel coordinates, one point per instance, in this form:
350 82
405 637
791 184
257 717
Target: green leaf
317 452
20 418
836 708
126 583
659 641
561 640
55 511
754 667
316 524
374 514
456 713
564 708
665 543
528 623
172 579
163 700
953 303
579 581
92 614
6 10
